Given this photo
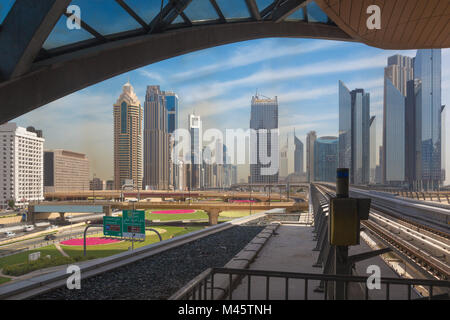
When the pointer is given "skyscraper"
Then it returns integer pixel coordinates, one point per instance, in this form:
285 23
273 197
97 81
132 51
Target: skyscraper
22 164
194 171
325 159
298 156
310 141
354 133
373 149
427 68
291 156
172 125
128 140
443 143
264 155
397 74
156 140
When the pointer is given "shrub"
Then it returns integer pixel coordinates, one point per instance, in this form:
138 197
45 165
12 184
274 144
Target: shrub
24 268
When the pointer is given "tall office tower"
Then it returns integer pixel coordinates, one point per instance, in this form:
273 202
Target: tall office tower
427 68
156 140
172 125
298 155
207 176
97 184
412 125
22 165
345 127
65 171
325 159
128 140
379 170
291 156
354 133
443 144
264 143
373 149
195 130
310 140
396 76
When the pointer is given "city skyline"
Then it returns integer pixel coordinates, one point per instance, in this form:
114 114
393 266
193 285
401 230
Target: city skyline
219 89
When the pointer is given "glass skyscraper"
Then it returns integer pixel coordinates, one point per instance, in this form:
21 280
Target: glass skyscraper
128 147
194 171
325 159
156 140
427 68
397 75
354 133
172 111
264 120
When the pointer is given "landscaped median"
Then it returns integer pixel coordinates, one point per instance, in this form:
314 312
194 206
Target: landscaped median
18 264
185 214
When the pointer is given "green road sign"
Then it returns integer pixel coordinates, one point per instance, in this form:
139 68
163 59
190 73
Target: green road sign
133 224
112 226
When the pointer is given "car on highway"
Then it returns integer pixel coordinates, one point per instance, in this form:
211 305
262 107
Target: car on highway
9 234
50 237
28 228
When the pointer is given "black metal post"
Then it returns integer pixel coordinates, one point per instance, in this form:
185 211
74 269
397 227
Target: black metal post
341 252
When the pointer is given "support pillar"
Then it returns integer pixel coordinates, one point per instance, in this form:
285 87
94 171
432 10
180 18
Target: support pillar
213 216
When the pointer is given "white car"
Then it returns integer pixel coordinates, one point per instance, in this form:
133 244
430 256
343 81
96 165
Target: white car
10 234
28 228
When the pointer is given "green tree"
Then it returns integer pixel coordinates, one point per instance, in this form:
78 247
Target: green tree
11 203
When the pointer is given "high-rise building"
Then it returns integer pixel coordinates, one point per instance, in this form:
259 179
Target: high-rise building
412 124
172 110
373 149
397 74
298 155
97 184
310 141
444 143
128 139
265 152
65 171
345 127
354 133
172 126
22 165
325 159
291 156
194 168
427 68
156 140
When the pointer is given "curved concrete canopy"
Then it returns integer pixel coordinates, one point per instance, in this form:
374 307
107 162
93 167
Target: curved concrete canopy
405 24
32 74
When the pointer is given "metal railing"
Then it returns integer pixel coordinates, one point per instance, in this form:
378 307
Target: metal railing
203 286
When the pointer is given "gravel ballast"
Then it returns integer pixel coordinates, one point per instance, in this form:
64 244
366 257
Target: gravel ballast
161 275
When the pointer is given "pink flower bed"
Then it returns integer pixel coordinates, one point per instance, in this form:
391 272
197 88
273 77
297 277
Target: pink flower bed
89 241
180 211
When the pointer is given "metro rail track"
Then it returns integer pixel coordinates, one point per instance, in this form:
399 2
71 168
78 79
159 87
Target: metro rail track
426 248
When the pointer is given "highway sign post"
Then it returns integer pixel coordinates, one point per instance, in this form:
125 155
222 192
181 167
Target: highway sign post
112 226
134 224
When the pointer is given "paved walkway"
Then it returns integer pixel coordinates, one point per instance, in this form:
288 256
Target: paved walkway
290 250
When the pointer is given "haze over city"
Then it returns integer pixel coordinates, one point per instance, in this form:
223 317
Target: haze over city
218 84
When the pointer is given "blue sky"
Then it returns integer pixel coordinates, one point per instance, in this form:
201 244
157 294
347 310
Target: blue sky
218 84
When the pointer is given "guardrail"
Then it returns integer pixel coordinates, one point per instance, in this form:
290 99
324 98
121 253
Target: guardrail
202 287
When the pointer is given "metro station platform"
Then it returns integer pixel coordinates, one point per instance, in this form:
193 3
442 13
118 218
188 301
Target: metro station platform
290 249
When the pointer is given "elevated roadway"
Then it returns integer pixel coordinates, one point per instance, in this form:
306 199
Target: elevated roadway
211 208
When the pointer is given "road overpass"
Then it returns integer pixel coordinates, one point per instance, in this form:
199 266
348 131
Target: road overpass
212 209
177 195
